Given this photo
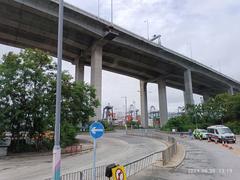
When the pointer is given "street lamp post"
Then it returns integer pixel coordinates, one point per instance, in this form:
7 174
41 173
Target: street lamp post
125 97
112 11
98 8
146 21
57 148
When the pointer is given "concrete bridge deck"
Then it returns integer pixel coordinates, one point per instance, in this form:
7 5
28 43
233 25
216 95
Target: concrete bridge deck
89 40
33 23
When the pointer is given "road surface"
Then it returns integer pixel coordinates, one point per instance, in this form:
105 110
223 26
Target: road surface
112 148
204 160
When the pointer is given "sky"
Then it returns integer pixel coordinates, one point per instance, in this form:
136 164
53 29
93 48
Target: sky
206 30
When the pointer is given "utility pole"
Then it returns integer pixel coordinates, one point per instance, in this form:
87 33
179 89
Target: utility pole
125 97
190 48
57 148
146 21
98 8
112 11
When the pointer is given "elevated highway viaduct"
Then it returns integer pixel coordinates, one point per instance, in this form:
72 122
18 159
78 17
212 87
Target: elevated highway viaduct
95 42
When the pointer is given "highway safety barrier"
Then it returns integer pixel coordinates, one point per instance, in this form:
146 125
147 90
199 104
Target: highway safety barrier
136 166
72 149
166 154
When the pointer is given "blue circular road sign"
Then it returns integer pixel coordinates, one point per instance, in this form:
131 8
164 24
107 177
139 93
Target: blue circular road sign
96 130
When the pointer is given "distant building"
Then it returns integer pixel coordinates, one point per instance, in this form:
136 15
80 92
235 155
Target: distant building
154 118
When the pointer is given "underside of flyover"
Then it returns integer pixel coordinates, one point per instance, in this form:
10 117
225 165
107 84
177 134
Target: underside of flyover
34 24
88 40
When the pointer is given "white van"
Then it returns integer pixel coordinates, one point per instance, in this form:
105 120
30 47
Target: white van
220 133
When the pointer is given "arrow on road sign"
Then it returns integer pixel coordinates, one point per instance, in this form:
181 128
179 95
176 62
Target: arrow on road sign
94 130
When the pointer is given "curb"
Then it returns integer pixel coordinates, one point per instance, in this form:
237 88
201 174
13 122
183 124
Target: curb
175 164
48 153
178 163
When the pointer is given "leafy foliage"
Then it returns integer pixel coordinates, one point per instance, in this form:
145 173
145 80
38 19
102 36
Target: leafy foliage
107 125
133 124
180 123
27 99
218 110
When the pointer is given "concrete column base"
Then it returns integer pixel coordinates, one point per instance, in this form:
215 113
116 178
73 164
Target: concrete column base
79 70
188 93
206 98
230 90
144 106
162 95
96 76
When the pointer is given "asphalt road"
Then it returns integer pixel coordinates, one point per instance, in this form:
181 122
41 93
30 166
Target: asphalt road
204 160
112 148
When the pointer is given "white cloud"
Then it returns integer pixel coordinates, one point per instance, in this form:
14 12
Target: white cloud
211 27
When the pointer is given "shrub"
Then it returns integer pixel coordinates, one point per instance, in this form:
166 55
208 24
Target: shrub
134 124
234 126
180 123
68 133
107 126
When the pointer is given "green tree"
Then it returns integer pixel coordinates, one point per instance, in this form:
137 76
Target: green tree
195 114
181 123
24 93
215 109
222 109
27 99
233 107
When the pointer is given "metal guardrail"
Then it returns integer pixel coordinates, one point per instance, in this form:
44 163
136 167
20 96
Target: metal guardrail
72 176
136 166
100 173
166 154
140 164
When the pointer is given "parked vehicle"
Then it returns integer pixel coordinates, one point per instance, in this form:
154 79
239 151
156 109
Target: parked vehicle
220 133
200 133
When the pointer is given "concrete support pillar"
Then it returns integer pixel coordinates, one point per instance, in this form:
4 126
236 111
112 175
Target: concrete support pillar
79 70
230 90
162 95
188 93
96 76
206 98
144 106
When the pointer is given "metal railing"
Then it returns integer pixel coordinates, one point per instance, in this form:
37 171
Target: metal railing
140 164
100 173
166 154
136 166
72 176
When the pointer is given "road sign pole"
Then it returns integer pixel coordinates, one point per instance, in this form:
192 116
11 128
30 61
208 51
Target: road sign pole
94 159
57 148
96 131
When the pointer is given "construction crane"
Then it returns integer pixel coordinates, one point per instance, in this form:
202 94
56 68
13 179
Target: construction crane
108 113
